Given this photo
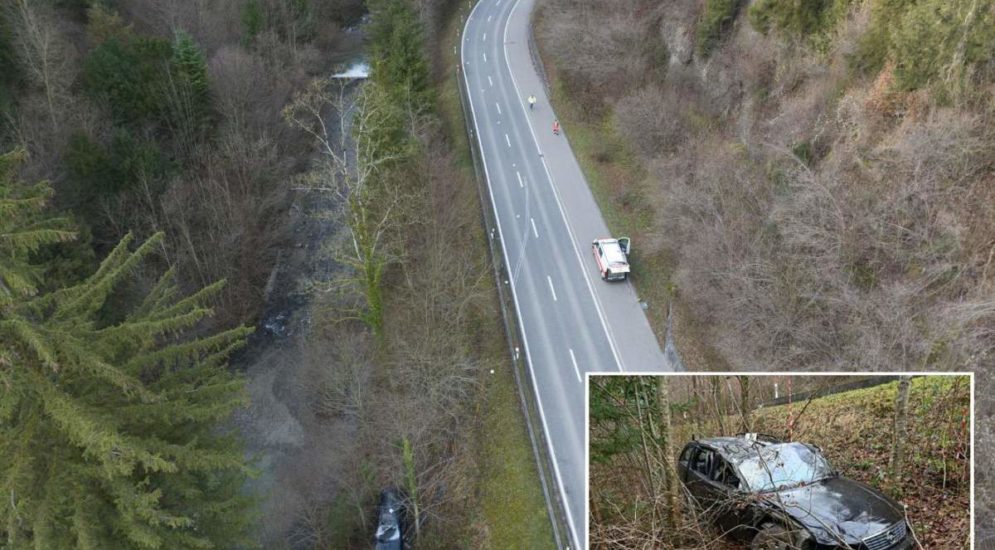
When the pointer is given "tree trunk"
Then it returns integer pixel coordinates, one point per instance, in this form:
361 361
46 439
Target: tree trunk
647 462
670 485
717 402
745 404
901 425
411 482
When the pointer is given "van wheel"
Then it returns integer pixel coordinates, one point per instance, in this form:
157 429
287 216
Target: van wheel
772 537
604 275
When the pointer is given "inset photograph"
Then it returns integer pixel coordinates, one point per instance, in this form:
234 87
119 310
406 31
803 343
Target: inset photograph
780 462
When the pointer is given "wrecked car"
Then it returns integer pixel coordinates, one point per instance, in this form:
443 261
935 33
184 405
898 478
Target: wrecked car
785 495
390 521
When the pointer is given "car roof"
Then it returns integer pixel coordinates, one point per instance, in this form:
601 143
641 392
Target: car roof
613 251
738 449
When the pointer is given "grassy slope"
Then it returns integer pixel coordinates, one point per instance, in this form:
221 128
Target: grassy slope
854 430
513 509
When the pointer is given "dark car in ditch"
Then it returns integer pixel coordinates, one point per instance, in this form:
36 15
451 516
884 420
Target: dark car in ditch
784 495
390 521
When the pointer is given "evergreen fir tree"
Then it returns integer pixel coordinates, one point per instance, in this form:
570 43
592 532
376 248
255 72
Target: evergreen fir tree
24 228
109 432
193 92
399 61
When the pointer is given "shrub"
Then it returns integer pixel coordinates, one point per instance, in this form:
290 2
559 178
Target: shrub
10 71
937 39
252 20
98 171
716 19
130 76
809 19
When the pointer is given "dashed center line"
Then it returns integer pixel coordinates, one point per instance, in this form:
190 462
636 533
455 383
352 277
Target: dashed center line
507 139
485 37
551 289
534 230
498 105
491 82
574 361
520 182
485 58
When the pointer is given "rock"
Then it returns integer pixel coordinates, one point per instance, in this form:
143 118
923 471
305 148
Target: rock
677 36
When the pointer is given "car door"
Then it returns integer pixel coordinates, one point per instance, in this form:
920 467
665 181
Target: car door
729 503
713 483
698 475
626 244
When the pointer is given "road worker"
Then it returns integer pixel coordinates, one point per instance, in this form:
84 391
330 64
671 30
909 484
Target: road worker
532 102
556 127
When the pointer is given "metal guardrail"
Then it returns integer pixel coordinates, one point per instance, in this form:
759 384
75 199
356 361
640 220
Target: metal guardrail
509 314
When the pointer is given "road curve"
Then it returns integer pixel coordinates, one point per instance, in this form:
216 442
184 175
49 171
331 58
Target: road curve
572 321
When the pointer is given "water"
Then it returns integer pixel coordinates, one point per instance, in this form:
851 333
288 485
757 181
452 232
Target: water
358 69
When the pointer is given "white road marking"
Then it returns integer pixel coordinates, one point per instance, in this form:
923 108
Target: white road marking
551 289
485 58
498 105
534 230
573 535
488 17
485 37
574 361
520 182
566 222
491 82
507 139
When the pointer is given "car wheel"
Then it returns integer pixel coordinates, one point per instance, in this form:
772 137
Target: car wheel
604 275
772 537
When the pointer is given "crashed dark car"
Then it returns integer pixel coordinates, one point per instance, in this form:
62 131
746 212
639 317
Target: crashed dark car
390 521
779 496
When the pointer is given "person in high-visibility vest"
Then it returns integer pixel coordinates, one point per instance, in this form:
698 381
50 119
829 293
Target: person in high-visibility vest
556 127
532 102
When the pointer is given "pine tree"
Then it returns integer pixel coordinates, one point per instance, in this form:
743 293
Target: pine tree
24 228
398 52
191 102
109 432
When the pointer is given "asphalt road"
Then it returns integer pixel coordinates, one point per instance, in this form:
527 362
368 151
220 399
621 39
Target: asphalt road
573 322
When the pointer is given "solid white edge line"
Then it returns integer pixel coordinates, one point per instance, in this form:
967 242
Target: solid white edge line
514 295
551 289
534 230
559 204
576 371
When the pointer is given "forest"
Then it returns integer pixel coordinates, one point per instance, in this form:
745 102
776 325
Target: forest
909 438
810 182
163 165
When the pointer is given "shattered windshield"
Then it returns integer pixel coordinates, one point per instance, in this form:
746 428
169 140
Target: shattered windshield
779 467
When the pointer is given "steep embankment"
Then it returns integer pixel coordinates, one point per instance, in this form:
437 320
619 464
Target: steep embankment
812 181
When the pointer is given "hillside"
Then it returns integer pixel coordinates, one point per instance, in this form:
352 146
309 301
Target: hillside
811 183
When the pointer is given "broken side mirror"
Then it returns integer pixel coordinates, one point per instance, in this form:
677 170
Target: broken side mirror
624 243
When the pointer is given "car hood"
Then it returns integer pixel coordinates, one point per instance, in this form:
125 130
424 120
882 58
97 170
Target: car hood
839 508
